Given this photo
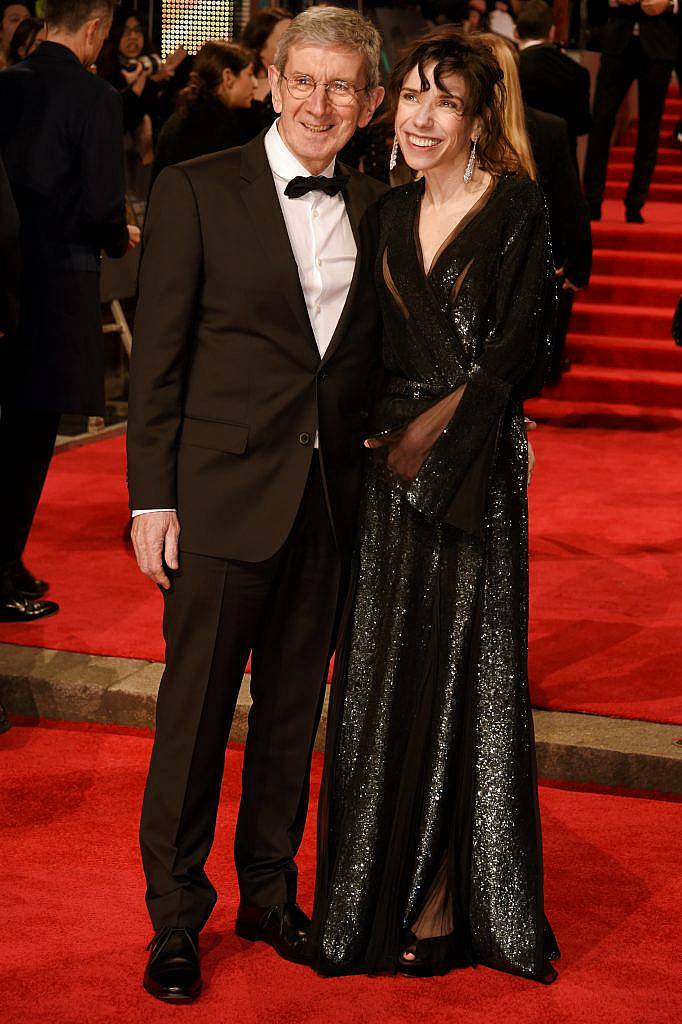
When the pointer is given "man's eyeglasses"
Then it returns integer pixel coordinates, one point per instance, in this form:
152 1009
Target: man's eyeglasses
340 93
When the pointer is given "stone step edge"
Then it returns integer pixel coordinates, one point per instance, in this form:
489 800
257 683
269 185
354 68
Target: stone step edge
571 747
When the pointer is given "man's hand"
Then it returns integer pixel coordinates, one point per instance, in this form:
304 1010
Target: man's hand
136 79
155 539
654 7
133 240
531 462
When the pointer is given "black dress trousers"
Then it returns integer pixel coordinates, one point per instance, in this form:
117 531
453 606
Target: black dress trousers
616 75
285 611
27 439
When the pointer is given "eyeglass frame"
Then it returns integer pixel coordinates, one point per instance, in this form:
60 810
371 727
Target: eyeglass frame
354 91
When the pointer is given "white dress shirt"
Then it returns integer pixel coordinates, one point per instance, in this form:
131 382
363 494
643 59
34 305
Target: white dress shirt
321 240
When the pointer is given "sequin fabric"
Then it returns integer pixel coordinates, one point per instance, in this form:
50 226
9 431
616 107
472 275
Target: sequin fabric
430 749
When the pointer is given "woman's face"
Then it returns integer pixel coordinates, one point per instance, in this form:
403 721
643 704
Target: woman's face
431 126
239 89
267 53
132 39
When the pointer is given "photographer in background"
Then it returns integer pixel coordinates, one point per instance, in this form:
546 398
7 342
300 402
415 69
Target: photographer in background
11 15
27 37
61 140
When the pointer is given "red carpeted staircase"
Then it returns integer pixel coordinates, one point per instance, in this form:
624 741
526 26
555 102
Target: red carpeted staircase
620 343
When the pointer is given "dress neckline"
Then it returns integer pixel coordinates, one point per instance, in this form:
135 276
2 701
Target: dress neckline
459 227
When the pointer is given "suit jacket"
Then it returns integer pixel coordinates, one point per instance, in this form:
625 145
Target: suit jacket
659 36
62 142
555 83
227 387
9 257
568 210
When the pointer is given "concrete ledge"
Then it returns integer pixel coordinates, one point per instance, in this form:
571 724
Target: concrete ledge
35 682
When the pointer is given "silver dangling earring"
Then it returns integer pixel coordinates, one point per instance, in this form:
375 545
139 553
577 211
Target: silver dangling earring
392 163
469 170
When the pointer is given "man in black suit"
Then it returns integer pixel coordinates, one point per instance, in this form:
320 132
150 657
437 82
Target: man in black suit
256 343
569 219
550 80
640 43
62 142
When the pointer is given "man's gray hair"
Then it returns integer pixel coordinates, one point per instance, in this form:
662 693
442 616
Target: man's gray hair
334 26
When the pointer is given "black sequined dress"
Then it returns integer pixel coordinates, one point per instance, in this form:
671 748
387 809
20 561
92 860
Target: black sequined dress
430 769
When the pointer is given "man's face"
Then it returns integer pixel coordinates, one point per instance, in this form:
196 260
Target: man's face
314 128
13 15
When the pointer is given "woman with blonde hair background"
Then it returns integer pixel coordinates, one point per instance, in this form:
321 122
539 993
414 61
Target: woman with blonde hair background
429 852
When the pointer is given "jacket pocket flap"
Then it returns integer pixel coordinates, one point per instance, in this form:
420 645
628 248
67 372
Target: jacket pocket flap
222 437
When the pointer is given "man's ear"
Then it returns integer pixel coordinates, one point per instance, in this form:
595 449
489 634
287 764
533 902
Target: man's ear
374 98
275 81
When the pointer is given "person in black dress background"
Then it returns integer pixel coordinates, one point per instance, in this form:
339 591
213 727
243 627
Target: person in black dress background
429 848
261 35
213 110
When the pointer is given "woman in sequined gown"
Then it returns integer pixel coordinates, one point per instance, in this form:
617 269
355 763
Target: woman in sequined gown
429 849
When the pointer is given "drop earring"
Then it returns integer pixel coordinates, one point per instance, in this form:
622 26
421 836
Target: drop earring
469 170
394 155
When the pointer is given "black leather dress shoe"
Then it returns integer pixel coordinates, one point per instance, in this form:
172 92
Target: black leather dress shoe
24 582
595 211
14 607
283 926
173 973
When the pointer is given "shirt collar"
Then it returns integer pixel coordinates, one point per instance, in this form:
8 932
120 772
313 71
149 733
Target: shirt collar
282 161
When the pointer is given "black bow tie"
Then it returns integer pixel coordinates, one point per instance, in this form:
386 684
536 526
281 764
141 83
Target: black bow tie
298 187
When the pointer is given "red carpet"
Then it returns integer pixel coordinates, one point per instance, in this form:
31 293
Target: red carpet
75 927
606 624
620 339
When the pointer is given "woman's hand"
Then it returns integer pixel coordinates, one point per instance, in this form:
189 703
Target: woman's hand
531 462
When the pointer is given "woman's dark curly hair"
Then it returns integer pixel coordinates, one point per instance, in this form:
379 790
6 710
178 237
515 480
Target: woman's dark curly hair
213 58
455 53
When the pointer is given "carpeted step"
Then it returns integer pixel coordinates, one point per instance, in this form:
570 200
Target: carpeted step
657 193
614 385
624 291
668 122
614 321
626 353
637 237
638 264
673 106
668 174
666 155
667 138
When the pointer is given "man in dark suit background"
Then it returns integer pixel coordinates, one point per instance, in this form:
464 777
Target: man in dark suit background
640 43
256 342
550 80
62 143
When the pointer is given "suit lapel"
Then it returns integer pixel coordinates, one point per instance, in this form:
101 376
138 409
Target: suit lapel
261 201
355 208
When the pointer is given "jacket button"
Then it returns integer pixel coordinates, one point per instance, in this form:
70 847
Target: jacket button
304 438
322 376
